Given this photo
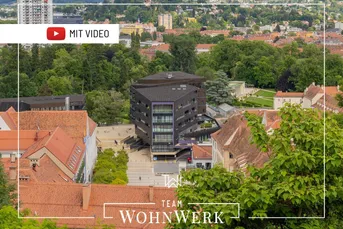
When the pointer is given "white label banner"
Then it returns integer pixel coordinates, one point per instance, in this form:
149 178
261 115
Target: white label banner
58 33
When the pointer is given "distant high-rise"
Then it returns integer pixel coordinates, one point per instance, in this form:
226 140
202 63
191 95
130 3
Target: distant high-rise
35 12
165 20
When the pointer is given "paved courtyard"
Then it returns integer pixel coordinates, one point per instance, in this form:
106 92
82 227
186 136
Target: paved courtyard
140 170
109 134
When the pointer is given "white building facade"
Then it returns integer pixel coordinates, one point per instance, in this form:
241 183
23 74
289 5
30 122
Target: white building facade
35 12
281 98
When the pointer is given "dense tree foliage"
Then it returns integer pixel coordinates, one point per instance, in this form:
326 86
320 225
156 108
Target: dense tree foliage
7 195
184 56
218 91
290 184
71 69
107 107
111 167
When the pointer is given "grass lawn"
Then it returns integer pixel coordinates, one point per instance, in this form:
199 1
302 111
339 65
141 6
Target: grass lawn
260 102
266 93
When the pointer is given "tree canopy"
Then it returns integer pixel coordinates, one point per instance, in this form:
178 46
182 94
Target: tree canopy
290 184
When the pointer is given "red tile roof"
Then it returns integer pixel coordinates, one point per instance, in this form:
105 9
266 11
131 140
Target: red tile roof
332 90
204 46
9 139
165 47
235 137
64 148
74 123
201 152
65 200
47 171
312 91
289 94
8 118
272 118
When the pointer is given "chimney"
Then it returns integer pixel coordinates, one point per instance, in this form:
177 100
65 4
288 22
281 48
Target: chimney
67 103
86 194
13 173
12 158
151 193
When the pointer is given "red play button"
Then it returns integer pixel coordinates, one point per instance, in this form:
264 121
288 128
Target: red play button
56 33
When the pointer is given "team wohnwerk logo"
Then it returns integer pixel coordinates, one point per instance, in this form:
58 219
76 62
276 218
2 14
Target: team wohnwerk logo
170 211
171 182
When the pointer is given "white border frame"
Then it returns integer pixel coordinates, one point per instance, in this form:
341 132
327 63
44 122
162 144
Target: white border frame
189 4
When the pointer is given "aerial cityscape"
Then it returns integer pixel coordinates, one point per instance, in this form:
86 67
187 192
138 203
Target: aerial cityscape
205 114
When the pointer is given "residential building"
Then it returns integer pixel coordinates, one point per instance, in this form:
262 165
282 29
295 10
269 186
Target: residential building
128 29
202 156
232 147
281 98
64 141
164 107
61 102
312 97
35 12
156 46
68 200
165 20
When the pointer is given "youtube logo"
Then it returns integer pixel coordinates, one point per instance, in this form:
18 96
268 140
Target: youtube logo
56 33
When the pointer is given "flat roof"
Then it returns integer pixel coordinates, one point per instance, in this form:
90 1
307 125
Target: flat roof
45 99
171 76
166 168
167 93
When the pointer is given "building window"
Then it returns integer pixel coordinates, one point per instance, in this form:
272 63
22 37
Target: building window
163 138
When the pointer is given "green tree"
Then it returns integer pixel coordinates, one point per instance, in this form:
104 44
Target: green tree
35 57
7 195
161 28
59 85
264 73
289 184
218 91
105 107
206 72
306 71
183 51
154 36
47 55
111 168
9 86
146 36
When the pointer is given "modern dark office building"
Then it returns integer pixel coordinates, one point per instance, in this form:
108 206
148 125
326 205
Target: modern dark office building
177 78
61 102
164 107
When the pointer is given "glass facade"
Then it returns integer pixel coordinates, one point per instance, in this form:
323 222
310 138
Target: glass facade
163 109
162 119
162 128
163 138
